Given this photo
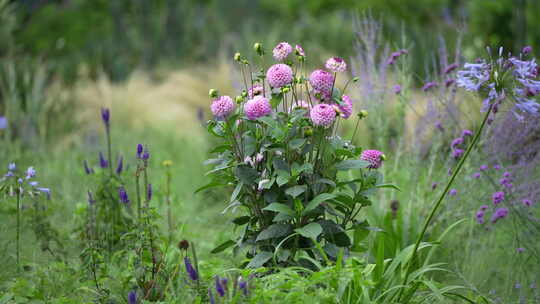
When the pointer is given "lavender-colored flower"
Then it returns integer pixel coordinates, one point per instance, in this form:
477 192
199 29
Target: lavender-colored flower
33 183
3 123
497 197
397 89
507 174
105 116
149 192
480 217
453 192
483 167
450 68
449 82
466 133
476 175
146 155
279 75
526 202
374 157
526 50
87 169
47 192
219 287
336 64
322 81
520 249
473 76
504 181
281 51
257 107
123 195
30 172
120 165
457 153
91 199
484 207
346 108
243 285
12 167
497 167
456 142
103 163
429 85
322 115
193 275
395 55
439 126
499 214
222 107
140 149
132 297
434 186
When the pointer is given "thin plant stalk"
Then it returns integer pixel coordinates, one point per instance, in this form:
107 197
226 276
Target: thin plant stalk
439 201
18 228
109 152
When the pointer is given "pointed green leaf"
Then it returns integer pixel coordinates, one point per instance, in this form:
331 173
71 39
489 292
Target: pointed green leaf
273 231
277 207
317 201
311 230
349 164
259 260
223 246
296 190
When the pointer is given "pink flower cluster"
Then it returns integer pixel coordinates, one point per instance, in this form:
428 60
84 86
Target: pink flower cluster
323 115
374 157
279 75
322 81
257 107
222 107
281 51
336 64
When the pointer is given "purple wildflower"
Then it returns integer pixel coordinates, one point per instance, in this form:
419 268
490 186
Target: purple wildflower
123 195
222 107
397 89
103 163
145 155
497 167
476 175
395 55
139 150
120 166
132 297
429 85
480 217
457 153
149 192
243 285
219 287
323 115
520 249
91 199
281 51
434 186
105 116
193 275
507 174
453 192
473 76
466 133
450 68
33 183
336 64
483 167
526 202
456 142
87 169
499 214
30 172
484 207
449 82
12 167
3 122
299 51
47 192
439 126
497 197
374 157
526 50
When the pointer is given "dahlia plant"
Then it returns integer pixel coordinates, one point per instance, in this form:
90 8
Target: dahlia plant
299 186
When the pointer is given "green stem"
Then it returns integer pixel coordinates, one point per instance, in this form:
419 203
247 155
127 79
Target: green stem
441 198
109 152
18 227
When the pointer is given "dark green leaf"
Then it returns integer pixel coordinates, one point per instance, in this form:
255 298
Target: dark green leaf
273 231
246 174
296 190
317 201
277 207
259 260
210 185
311 230
349 164
296 143
388 186
223 246
241 220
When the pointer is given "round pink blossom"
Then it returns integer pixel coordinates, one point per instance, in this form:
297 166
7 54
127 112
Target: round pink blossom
323 115
374 157
257 107
282 50
346 108
255 90
336 64
299 51
222 107
279 75
322 81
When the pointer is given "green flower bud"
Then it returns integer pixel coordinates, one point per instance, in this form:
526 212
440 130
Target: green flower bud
239 99
258 48
308 131
362 114
383 157
285 90
244 93
213 93
237 57
355 79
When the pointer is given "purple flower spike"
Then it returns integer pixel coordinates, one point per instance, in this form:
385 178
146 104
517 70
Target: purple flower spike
91 200
103 163
132 297
480 217
429 85
450 68
120 166
149 192
244 287
219 287
434 186
193 275
520 249
457 153
477 175
526 50
105 116
527 202
483 167
123 195
466 133
453 192
30 172
497 167
139 150
499 214
456 142
145 155
87 169
397 89
449 82
484 207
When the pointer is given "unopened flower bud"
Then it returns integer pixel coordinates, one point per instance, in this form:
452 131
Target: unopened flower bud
362 114
244 93
308 131
237 57
258 48
383 157
355 79
239 99
285 90
167 163
213 93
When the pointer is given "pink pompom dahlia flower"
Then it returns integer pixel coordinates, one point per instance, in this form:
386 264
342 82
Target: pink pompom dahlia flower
346 108
222 107
336 64
322 81
257 107
279 75
282 50
323 115
374 157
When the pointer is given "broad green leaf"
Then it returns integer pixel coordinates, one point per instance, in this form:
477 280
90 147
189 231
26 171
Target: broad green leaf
297 143
236 192
273 231
246 174
317 201
259 260
277 207
282 180
349 164
268 121
210 185
296 190
223 246
311 230
241 220
280 217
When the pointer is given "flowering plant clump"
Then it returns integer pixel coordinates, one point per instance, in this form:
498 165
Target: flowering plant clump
281 154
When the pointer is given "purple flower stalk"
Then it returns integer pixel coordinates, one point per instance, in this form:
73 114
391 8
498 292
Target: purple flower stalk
480 217
211 297
91 200
149 192
484 207
520 249
103 163
140 149
477 175
497 197
429 85
219 287
120 166
87 169
457 153
456 142
500 213
526 50
123 195
450 68
193 275
397 89
132 297
527 202
449 82
105 116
